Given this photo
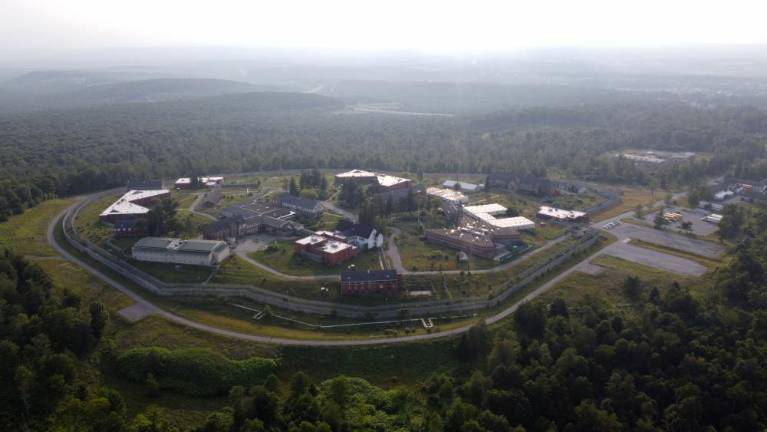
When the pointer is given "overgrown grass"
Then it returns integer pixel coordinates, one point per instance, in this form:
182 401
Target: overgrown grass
26 232
631 198
419 255
87 222
193 371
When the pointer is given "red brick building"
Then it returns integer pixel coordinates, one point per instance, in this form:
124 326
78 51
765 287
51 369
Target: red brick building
325 248
382 282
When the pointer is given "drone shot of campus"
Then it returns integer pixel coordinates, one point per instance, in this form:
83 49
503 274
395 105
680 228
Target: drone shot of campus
296 218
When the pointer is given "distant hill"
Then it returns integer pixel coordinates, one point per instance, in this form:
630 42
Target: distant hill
82 91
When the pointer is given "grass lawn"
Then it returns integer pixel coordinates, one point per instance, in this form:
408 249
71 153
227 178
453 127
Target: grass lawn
26 232
185 199
238 271
574 201
631 198
607 286
281 257
417 254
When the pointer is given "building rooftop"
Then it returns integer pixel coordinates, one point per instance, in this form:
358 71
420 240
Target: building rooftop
447 194
516 222
179 246
469 187
125 205
351 229
386 180
560 213
154 243
356 173
369 276
490 209
302 203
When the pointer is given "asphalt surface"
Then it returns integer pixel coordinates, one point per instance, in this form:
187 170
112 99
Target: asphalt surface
652 258
669 239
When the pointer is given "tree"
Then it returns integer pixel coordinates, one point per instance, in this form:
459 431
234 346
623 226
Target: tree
632 287
530 320
293 188
99 318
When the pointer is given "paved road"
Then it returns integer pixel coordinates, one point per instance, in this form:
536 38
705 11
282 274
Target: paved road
149 307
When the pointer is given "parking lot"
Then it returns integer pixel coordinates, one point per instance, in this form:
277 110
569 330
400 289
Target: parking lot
659 260
699 227
669 239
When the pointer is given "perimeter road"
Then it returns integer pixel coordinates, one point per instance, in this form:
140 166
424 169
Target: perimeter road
156 310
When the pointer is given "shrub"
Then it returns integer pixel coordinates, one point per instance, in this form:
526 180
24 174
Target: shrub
196 372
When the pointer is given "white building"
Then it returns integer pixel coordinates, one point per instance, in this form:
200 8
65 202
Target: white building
723 195
488 212
462 186
450 195
546 212
186 182
177 251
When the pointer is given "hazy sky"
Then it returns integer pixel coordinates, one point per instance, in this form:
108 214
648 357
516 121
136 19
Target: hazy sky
389 24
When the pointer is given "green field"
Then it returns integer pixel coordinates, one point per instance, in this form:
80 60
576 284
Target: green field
26 232
606 286
87 222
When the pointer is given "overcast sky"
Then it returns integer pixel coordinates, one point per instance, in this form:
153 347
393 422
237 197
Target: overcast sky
438 25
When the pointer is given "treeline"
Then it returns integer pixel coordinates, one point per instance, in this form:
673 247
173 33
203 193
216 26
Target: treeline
81 150
44 339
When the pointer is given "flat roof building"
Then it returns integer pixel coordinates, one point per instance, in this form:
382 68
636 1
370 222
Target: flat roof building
382 282
385 184
186 182
546 212
325 248
132 205
449 195
487 213
177 251
303 206
462 186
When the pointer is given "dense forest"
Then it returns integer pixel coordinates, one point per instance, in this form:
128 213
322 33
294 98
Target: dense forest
68 152
671 362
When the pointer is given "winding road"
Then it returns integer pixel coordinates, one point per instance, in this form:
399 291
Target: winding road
158 311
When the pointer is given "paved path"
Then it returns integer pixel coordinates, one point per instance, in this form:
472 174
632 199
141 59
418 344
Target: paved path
193 208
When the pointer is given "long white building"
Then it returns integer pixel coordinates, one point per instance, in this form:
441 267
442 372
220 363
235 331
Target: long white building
488 212
177 251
